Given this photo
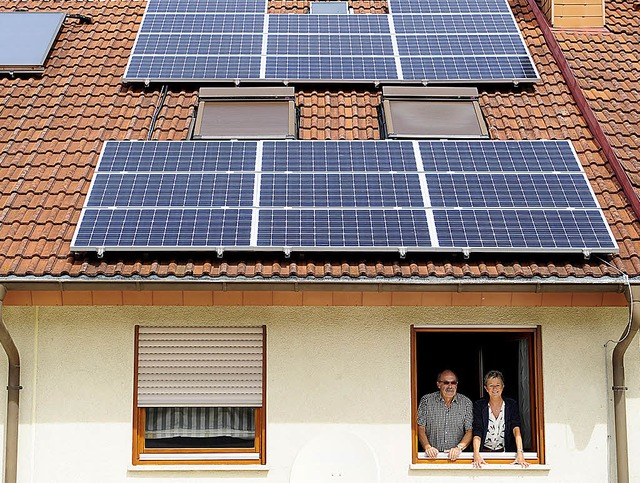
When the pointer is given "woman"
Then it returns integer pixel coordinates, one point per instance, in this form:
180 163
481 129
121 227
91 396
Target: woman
496 422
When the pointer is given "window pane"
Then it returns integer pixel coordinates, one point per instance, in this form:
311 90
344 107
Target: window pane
200 427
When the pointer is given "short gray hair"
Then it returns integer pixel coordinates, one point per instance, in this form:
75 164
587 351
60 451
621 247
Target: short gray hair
493 375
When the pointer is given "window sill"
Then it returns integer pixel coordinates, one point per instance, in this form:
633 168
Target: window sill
468 467
207 468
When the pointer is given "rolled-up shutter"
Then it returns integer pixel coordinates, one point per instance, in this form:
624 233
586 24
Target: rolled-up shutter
200 366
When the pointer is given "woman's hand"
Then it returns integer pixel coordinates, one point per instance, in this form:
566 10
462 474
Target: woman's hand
520 460
478 460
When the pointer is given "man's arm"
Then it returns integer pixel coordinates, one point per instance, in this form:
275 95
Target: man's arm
431 451
464 442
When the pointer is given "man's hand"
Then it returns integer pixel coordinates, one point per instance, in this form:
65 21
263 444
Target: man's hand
431 452
454 453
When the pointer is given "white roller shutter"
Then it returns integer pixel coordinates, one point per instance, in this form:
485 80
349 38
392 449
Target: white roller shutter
200 366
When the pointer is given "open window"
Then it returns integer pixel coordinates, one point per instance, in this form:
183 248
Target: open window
199 395
432 113
246 113
26 39
470 353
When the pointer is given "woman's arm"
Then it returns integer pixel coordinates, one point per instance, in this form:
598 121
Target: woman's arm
478 460
519 448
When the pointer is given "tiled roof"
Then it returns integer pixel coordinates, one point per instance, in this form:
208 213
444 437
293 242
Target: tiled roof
52 129
606 62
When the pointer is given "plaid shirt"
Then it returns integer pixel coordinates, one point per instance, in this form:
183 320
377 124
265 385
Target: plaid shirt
444 426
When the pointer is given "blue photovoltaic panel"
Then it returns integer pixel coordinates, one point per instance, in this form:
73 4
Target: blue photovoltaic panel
202 24
467 68
186 156
336 190
342 195
460 45
455 24
497 156
194 67
192 44
164 229
190 190
523 229
332 45
349 229
331 68
207 6
447 6
482 190
318 156
329 24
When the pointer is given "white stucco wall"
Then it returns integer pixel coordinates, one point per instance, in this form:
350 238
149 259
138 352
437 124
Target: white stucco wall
330 371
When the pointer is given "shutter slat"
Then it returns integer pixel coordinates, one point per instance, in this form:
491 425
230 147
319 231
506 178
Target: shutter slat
200 366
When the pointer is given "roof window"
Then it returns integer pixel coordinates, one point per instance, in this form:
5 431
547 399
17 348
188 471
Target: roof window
26 39
246 113
432 112
329 8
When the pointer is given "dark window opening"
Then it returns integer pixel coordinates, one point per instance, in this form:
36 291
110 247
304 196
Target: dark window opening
470 354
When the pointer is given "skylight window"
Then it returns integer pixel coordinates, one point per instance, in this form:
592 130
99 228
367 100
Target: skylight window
433 112
246 113
26 39
329 8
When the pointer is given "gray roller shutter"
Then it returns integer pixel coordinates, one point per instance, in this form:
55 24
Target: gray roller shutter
200 366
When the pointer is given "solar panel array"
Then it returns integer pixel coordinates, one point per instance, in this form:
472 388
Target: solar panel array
333 195
436 41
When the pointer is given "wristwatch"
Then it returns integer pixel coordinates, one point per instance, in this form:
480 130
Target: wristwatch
460 447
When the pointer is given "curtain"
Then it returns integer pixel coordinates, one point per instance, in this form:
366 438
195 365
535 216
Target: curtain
524 394
200 422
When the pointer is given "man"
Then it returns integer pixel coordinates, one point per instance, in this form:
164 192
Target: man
445 419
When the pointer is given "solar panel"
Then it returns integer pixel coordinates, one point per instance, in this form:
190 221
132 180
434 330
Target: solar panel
341 190
201 24
330 68
338 156
193 44
345 229
483 190
436 41
205 6
448 6
164 229
331 45
195 67
455 24
459 196
461 45
26 39
499 156
523 230
167 156
479 68
329 24
172 190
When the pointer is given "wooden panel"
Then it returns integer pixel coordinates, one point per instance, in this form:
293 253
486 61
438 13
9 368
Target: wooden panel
578 10
578 22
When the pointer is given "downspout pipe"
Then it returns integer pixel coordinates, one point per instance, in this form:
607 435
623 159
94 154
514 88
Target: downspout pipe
619 388
13 399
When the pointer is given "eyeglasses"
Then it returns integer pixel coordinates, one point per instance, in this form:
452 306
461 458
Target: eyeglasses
449 383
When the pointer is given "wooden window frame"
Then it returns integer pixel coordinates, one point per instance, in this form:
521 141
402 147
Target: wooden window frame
138 440
536 393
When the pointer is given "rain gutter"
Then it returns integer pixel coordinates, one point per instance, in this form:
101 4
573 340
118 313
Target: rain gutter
13 399
619 387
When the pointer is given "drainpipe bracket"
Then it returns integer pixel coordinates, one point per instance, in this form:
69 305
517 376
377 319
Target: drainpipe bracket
14 388
619 388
